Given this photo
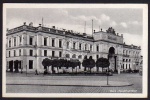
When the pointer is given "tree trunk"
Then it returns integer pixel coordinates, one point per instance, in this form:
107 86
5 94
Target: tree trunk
97 69
52 69
76 69
58 69
72 69
84 68
90 69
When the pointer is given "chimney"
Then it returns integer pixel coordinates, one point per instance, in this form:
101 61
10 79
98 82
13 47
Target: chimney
24 23
121 35
31 24
53 27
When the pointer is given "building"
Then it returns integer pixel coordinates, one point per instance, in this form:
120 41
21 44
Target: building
29 45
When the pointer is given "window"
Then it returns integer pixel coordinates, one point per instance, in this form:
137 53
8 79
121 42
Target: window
73 56
60 43
67 56
53 42
126 66
97 48
129 66
19 52
90 47
80 46
30 64
31 52
20 39
9 42
129 60
9 54
123 60
14 53
67 45
30 41
74 45
80 56
53 53
97 56
126 60
45 41
60 54
123 66
14 41
45 52
85 46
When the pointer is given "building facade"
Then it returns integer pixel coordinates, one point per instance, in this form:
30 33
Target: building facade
27 46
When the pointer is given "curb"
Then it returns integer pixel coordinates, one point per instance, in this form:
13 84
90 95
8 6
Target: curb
74 85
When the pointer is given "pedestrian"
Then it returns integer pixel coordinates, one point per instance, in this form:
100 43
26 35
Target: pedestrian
36 72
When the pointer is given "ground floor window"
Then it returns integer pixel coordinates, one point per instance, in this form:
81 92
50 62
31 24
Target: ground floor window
30 64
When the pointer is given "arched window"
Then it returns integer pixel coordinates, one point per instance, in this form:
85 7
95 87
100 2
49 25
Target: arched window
67 56
74 56
80 56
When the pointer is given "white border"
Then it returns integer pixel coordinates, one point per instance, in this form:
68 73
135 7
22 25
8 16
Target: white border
81 95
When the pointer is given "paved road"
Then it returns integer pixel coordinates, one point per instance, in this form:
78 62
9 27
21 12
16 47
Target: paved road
134 79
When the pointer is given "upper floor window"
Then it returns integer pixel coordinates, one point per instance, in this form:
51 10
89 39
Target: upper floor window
20 38
90 47
60 54
97 48
14 41
60 43
14 53
31 52
74 45
67 45
53 42
19 52
45 41
97 56
45 52
80 46
31 41
53 53
9 42
9 54
85 46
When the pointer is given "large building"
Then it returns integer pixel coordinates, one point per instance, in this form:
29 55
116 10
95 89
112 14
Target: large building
30 45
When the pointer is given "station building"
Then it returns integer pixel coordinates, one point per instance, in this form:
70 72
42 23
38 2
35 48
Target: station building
29 45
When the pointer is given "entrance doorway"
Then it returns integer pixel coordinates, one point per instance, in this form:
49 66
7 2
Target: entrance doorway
112 58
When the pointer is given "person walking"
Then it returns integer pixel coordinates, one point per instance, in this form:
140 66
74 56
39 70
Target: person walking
36 72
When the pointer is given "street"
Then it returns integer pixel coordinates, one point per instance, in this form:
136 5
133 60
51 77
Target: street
123 83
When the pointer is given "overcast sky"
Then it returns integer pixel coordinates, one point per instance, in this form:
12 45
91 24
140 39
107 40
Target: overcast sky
125 21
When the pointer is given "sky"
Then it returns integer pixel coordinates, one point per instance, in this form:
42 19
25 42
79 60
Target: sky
126 21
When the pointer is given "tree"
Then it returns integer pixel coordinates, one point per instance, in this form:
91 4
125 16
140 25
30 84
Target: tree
102 62
46 63
74 63
91 63
85 63
56 63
